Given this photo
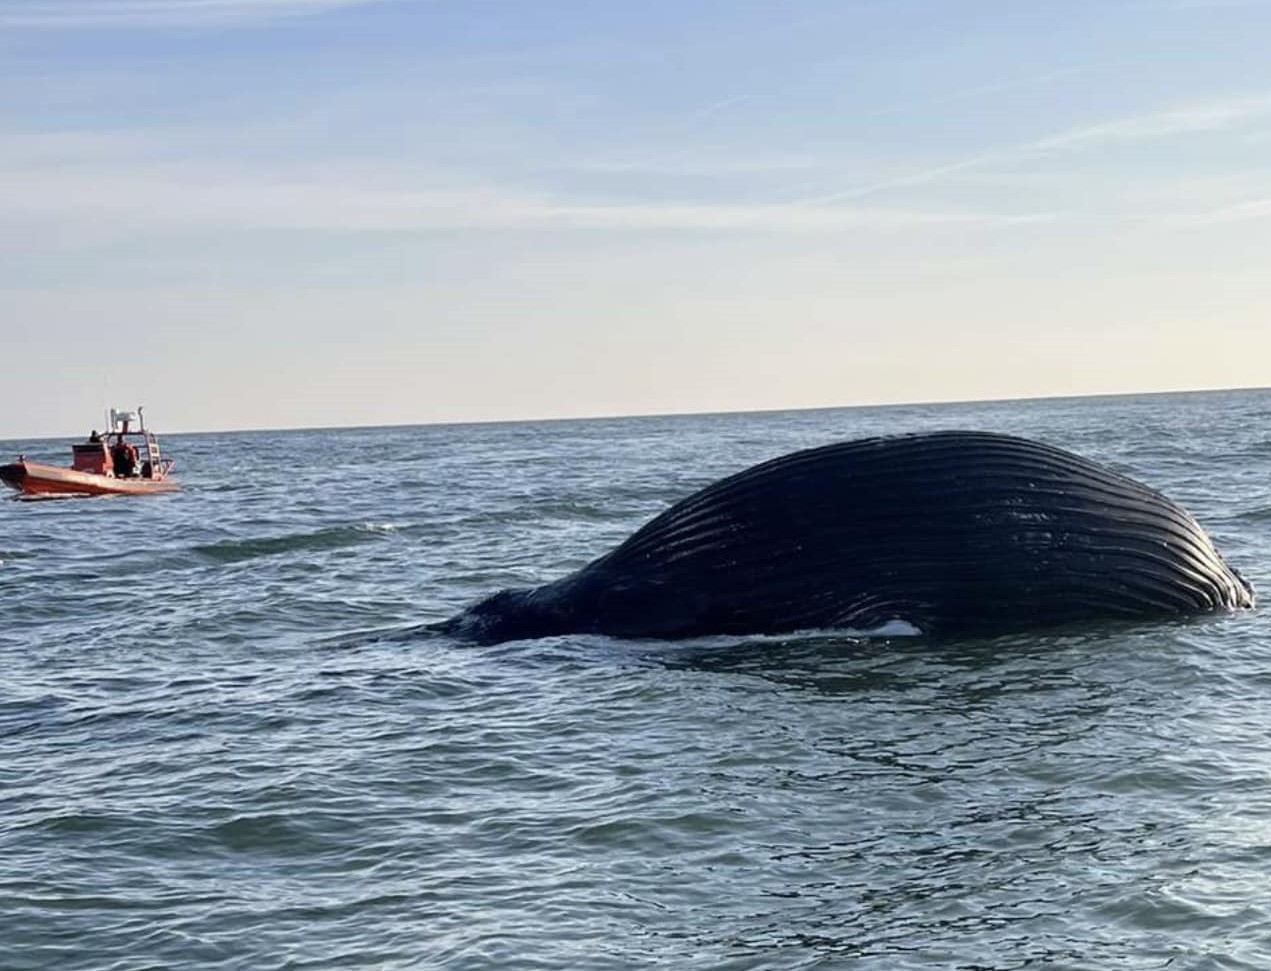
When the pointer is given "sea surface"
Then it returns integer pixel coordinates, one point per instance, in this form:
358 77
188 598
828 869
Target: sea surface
221 745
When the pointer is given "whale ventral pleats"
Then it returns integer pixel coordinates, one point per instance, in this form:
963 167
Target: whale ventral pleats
952 533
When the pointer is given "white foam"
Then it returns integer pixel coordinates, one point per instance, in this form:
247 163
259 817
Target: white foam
896 627
893 628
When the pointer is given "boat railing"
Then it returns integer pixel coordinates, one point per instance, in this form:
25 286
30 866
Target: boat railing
155 459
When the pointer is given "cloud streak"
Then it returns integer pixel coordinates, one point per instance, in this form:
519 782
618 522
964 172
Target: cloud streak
1249 211
114 183
1172 122
172 200
80 14
1182 120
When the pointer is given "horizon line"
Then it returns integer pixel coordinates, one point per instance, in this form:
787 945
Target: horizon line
552 419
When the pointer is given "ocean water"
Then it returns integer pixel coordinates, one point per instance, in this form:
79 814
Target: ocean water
221 746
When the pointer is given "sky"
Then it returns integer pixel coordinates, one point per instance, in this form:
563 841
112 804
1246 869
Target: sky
308 213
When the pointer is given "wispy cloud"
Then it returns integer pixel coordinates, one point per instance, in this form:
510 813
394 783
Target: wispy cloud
1248 211
979 91
702 163
1181 120
74 14
1207 4
716 107
1167 123
179 199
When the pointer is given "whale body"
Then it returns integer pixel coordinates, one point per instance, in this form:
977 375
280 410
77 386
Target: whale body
952 533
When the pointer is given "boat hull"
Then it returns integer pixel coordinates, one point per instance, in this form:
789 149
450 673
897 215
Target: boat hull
34 480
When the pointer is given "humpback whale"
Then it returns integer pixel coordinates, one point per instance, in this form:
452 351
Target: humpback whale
954 533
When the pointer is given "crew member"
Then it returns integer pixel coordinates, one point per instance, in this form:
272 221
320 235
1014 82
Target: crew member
124 456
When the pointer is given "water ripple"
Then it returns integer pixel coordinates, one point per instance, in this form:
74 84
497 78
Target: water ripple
229 745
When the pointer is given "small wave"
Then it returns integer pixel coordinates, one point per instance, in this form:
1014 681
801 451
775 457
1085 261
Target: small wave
554 511
335 537
266 831
362 638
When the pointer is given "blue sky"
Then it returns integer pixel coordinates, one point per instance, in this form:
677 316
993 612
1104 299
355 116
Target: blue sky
274 213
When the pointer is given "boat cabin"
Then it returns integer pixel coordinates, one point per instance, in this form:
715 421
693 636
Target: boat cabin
92 457
97 455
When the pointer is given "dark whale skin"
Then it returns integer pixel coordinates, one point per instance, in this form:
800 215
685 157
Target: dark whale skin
956 533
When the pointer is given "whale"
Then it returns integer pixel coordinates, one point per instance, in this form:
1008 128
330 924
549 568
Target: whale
950 533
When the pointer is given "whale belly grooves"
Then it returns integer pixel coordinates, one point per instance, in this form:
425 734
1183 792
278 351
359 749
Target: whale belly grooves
954 533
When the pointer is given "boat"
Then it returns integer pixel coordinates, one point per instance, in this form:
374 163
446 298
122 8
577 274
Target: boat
125 461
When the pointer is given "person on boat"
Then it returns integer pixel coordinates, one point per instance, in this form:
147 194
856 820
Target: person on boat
124 457
94 438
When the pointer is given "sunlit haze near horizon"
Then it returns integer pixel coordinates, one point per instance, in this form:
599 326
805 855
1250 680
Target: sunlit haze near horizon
300 213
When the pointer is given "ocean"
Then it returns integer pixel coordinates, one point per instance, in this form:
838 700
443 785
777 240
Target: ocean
222 748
